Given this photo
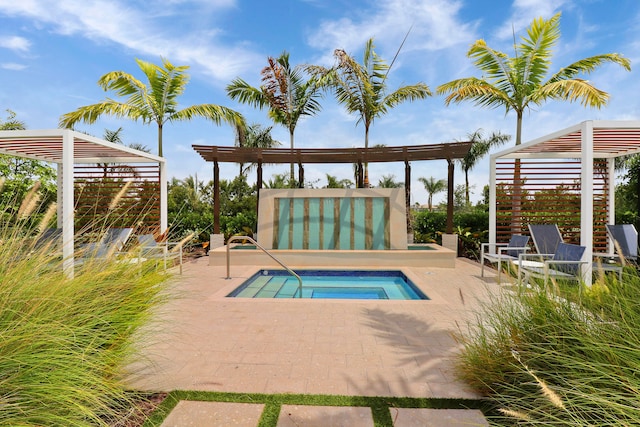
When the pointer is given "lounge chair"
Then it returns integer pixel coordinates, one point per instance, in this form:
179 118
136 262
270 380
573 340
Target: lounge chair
112 243
625 237
50 238
499 252
546 238
150 249
564 264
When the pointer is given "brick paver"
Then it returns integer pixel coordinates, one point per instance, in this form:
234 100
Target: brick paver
204 341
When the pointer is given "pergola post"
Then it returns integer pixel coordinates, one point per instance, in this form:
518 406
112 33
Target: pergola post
611 198
450 169
300 175
407 194
258 184
216 197
68 204
360 175
492 200
586 199
163 197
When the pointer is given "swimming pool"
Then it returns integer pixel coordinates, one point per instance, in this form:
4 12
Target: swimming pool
330 284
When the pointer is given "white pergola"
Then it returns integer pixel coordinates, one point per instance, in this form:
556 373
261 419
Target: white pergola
67 148
586 141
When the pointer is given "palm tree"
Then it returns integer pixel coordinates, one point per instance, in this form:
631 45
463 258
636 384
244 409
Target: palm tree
516 83
389 181
362 88
334 182
156 101
255 136
433 186
479 149
284 91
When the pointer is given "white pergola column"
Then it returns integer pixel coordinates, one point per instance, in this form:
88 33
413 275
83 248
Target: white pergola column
492 200
67 203
611 199
586 199
163 197
59 195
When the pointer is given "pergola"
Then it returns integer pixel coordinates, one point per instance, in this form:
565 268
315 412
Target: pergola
69 149
566 177
356 156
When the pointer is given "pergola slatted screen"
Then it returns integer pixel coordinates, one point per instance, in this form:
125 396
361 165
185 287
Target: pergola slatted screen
96 187
550 194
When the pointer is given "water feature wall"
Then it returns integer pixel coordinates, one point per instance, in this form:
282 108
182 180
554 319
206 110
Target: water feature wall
332 219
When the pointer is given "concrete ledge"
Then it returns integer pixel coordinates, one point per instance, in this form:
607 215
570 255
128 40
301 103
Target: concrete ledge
436 256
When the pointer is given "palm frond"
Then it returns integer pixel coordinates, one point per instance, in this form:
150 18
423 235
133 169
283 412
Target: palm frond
572 90
407 93
216 113
588 65
480 91
91 113
244 93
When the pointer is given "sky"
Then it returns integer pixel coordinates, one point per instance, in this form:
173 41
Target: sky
52 53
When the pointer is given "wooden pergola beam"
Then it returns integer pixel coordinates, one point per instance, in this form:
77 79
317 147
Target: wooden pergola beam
358 156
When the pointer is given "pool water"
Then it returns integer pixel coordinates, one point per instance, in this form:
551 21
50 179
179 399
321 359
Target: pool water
329 284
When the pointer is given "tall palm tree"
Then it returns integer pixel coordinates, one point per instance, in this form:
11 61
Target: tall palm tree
433 186
362 87
519 82
480 147
156 101
255 136
284 91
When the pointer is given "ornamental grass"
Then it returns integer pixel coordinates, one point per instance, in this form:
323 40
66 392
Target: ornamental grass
64 341
566 355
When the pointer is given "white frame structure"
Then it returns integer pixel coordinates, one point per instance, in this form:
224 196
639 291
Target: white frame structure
588 140
67 148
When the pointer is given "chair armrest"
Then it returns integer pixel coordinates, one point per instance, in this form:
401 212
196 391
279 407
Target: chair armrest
485 246
513 248
534 257
605 255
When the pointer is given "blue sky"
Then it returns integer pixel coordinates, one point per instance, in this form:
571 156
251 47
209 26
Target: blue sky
52 53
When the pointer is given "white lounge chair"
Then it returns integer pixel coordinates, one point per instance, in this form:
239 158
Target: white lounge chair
564 264
499 252
150 249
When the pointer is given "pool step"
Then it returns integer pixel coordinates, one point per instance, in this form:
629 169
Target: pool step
254 287
271 288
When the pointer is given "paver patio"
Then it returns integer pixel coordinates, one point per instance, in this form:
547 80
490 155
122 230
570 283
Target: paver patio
206 342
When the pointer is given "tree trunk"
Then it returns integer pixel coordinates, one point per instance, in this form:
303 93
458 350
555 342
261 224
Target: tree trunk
366 165
292 171
516 201
160 139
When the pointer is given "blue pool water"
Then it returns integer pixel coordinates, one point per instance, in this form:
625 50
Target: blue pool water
329 284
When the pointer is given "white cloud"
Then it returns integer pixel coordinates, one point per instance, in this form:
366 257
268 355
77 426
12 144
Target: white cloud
138 30
524 11
13 66
434 25
16 43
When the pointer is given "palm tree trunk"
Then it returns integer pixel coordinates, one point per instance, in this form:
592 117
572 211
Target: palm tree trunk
466 186
292 177
516 205
160 139
366 165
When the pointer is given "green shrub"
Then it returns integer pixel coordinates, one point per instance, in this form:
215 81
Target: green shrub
559 357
